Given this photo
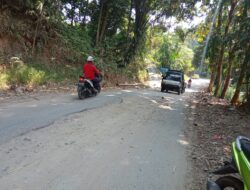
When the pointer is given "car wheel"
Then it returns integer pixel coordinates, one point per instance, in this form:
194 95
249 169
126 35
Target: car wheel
179 91
162 89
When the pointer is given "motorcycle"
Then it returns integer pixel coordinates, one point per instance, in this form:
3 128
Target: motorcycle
86 88
239 165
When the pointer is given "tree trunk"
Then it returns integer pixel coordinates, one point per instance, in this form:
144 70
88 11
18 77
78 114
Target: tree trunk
129 19
219 71
142 8
229 72
103 26
35 36
73 12
212 79
221 55
236 96
215 60
36 31
227 81
99 24
85 14
248 86
125 59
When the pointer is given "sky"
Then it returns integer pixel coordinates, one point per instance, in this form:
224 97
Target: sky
172 23
188 23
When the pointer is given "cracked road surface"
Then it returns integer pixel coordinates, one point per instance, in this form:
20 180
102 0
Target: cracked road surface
121 139
18 119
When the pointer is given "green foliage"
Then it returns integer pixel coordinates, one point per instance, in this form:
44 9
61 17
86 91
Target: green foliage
25 75
173 52
198 51
230 92
77 40
118 33
35 74
3 80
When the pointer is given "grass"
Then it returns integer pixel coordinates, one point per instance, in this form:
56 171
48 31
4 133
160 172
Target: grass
3 80
18 73
35 74
230 93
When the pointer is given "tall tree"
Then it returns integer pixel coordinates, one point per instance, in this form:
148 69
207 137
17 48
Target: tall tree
222 48
244 66
214 48
245 46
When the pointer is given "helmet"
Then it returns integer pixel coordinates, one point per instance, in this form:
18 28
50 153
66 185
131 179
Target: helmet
90 58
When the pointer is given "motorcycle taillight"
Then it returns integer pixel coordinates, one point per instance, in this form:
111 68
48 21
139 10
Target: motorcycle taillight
81 79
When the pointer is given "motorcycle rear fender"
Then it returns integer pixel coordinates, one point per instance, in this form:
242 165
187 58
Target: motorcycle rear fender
90 82
212 186
228 168
80 84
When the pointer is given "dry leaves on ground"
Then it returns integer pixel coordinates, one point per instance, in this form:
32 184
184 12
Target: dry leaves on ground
213 126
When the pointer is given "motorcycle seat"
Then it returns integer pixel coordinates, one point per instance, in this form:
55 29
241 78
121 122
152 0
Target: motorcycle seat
245 145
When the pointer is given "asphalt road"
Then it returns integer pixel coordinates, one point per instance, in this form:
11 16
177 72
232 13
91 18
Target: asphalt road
121 139
19 118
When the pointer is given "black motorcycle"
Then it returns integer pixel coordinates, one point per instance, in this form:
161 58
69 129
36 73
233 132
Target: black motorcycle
86 88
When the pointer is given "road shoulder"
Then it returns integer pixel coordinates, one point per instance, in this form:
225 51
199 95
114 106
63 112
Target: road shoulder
212 126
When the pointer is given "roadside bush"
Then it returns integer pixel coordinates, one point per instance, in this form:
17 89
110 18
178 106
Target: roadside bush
230 92
35 73
25 75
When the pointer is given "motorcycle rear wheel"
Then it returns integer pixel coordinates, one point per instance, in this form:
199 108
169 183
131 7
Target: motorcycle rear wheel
229 182
80 93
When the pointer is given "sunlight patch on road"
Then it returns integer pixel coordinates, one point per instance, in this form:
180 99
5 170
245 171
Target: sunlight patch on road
110 95
183 142
153 101
127 91
166 107
191 90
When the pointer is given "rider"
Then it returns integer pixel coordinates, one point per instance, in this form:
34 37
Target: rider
91 72
189 82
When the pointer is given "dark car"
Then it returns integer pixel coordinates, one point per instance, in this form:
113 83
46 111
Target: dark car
173 81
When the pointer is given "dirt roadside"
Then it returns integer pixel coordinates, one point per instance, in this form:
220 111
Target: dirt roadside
212 126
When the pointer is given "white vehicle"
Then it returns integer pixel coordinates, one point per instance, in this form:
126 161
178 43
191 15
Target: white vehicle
174 81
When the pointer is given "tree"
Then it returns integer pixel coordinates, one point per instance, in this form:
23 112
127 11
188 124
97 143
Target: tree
244 66
244 44
223 45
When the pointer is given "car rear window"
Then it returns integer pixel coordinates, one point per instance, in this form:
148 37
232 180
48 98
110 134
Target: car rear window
174 77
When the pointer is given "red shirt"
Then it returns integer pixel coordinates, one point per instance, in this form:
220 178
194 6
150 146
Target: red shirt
90 70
